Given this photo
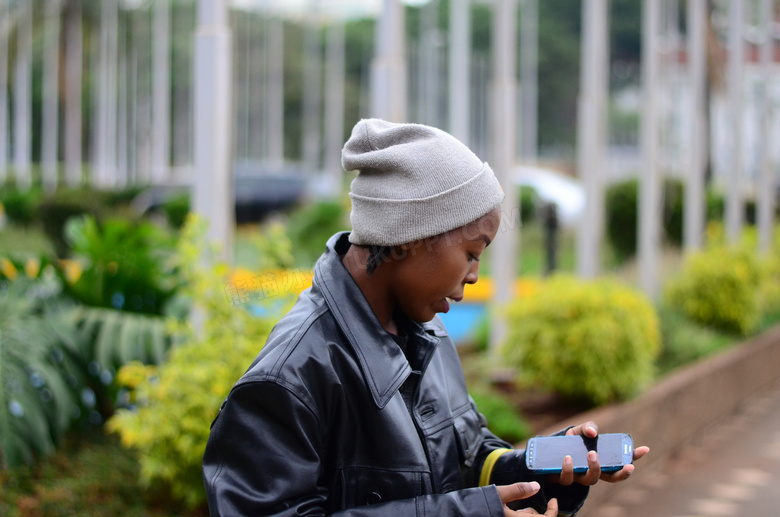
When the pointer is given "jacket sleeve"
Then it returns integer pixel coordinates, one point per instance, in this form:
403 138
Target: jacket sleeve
264 458
511 468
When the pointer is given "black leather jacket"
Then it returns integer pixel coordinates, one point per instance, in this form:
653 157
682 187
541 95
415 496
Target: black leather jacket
333 418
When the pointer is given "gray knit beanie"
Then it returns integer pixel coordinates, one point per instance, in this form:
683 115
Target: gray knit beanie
413 182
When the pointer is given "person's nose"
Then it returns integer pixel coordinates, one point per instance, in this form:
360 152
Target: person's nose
473 274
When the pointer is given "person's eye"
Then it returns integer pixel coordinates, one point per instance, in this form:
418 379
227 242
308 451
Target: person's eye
472 258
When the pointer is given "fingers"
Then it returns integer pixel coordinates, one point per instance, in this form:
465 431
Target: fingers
593 474
640 451
590 477
625 472
517 491
567 472
588 429
620 475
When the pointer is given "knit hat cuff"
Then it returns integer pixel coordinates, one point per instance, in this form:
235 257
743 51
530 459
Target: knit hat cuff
390 222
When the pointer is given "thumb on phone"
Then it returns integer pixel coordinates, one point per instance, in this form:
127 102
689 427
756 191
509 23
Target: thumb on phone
517 491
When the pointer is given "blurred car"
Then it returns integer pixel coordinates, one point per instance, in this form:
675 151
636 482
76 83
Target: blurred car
258 189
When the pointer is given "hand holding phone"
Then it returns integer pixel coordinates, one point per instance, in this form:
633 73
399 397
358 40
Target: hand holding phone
544 454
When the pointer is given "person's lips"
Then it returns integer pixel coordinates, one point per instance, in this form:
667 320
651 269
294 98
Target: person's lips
447 300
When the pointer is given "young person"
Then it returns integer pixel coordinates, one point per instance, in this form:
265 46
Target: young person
357 405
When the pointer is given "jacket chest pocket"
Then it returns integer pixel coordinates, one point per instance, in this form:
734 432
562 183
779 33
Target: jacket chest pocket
362 486
468 435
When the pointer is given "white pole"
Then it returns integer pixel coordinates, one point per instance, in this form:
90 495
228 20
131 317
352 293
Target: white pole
50 124
213 196
767 188
504 251
694 209
123 175
334 107
5 27
73 77
591 134
105 157
734 187
312 92
460 67
275 94
23 100
388 68
161 91
529 60
113 98
429 62
649 229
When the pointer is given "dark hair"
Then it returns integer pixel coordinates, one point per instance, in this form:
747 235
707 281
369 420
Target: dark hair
375 256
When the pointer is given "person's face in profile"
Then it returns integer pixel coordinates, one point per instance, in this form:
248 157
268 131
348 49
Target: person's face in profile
434 271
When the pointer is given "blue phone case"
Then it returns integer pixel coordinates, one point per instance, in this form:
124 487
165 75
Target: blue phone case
544 454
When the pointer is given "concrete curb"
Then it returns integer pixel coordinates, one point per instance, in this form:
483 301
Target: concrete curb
681 406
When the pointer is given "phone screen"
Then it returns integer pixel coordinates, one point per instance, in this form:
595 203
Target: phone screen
547 452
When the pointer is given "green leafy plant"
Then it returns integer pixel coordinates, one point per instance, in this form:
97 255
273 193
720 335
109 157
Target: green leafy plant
176 402
590 341
127 266
502 416
40 373
57 209
310 226
719 287
112 338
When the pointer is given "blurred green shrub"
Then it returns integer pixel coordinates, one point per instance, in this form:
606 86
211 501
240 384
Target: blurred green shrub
719 287
55 210
20 207
502 416
622 210
41 377
310 226
176 209
176 402
621 216
685 341
128 264
590 341
528 204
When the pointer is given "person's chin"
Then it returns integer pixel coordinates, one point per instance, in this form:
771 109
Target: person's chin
423 315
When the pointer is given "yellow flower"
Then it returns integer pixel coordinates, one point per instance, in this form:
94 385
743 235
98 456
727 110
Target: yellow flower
482 291
271 282
7 268
32 267
72 270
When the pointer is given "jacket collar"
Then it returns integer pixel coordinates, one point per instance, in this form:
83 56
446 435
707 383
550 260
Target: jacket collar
383 363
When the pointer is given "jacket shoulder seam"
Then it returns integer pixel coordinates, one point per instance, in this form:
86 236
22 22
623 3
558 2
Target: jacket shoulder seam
296 339
267 378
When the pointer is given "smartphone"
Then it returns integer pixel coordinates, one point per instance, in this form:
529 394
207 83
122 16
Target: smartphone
544 454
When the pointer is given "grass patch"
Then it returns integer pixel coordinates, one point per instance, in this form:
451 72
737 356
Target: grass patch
90 474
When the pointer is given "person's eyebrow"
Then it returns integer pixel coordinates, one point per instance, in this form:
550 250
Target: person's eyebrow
483 237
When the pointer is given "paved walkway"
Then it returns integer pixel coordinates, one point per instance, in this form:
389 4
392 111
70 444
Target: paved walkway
733 470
